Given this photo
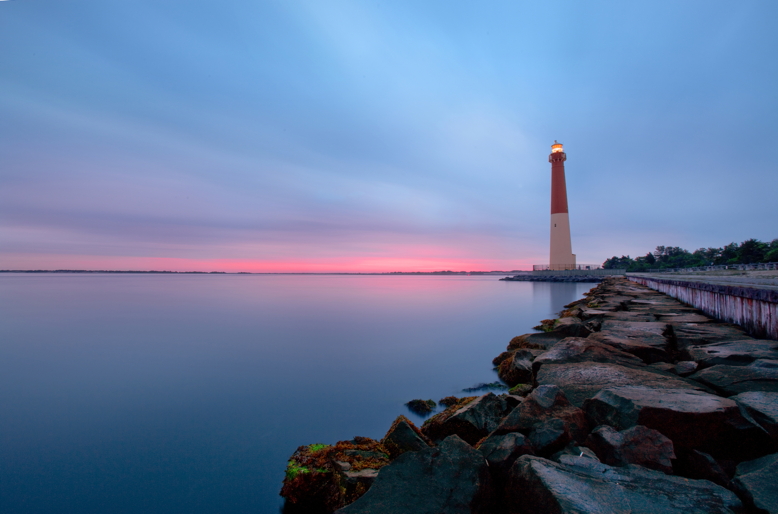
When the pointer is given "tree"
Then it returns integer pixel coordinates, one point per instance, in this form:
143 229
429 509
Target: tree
772 252
751 251
728 254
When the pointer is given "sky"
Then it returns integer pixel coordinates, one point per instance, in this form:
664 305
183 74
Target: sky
361 136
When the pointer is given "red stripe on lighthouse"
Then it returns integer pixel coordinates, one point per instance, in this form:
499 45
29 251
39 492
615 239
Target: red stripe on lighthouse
558 187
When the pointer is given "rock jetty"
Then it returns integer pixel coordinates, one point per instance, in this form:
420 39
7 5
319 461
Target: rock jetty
629 402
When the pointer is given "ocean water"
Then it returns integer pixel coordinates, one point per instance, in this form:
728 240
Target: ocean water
188 393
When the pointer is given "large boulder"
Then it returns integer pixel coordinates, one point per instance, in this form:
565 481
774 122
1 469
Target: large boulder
571 327
549 436
578 349
691 419
732 353
471 421
538 485
451 478
516 369
757 482
700 334
502 450
701 466
584 380
649 349
762 407
731 380
545 402
646 341
403 436
636 445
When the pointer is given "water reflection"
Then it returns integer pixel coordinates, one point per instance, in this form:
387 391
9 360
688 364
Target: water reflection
164 394
555 295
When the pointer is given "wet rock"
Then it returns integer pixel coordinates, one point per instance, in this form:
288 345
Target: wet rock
731 380
491 386
448 401
584 380
757 482
403 436
701 466
691 419
700 334
732 353
520 390
762 407
539 341
636 445
421 407
545 402
502 450
471 421
504 355
516 369
451 478
577 349
538 485
549 437
685 368
322 478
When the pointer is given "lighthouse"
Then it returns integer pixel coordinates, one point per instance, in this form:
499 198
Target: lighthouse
561 255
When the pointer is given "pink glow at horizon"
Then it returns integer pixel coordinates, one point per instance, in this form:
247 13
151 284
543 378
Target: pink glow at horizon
332 265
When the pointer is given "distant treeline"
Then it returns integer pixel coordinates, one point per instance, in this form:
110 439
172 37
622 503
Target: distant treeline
747 252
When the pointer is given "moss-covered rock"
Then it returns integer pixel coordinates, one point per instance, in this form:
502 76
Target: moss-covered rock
323 478
421 407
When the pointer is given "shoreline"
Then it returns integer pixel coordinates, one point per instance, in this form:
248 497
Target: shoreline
564 415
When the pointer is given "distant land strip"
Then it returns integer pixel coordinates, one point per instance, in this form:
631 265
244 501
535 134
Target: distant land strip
447 272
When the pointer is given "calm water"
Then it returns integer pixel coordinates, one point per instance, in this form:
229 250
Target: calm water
187 393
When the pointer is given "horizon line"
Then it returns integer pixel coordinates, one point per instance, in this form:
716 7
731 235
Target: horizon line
439 272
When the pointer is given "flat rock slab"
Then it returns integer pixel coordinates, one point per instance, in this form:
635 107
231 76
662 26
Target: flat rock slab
731 380
691 419
634 328
451 478
538 485
633 316
650 348
732 353
762 407
700 334
578 349
757 480
687 317
584 380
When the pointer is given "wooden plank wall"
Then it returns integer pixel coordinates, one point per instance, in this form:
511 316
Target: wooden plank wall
756 310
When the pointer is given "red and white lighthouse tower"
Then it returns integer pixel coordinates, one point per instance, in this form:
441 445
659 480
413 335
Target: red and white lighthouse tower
561 255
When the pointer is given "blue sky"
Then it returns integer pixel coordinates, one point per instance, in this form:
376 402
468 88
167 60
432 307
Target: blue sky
377 136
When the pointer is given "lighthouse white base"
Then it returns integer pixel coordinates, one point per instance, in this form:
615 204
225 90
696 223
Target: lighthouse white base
561 255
